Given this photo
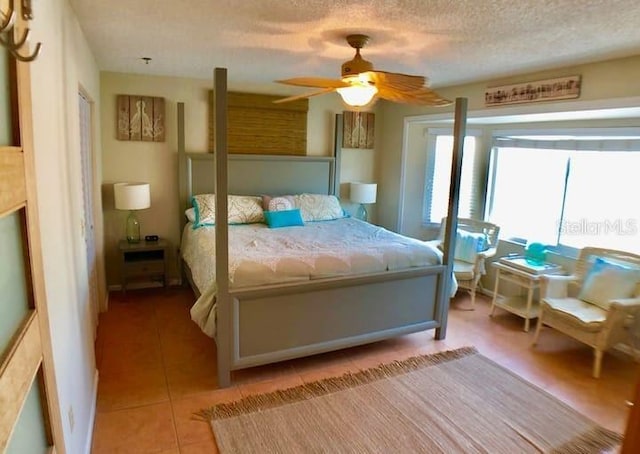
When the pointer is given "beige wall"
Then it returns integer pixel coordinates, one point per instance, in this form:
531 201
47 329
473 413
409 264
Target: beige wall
64 65
156 163
602 81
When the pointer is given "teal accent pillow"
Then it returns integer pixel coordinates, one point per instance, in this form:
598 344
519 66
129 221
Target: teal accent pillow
286 218
608 281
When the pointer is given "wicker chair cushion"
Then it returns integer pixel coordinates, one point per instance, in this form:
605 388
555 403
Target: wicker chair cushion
608 281
589 316
463 270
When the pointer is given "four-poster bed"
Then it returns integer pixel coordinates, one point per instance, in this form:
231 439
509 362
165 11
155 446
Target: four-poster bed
264 324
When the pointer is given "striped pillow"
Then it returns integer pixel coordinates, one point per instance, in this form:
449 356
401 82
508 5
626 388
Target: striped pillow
468 244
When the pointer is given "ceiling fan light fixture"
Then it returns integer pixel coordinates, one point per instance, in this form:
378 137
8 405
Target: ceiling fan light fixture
361 85
358 95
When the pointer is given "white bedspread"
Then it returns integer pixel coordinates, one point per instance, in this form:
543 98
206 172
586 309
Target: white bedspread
259 255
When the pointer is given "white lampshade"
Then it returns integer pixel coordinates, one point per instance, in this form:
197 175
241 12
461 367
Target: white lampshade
132 196
363 192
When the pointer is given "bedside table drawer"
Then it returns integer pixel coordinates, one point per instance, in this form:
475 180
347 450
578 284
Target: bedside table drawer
143 268
145 262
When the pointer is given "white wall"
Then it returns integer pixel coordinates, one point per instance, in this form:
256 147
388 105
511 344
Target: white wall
65 64
156 162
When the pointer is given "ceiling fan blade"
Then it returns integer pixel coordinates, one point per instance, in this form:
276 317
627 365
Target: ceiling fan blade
305 95
421 97
317 82
397 81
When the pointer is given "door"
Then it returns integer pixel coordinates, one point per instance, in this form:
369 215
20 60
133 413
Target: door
86 156
29 417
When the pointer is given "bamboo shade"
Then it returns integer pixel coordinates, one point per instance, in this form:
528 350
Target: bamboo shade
258 126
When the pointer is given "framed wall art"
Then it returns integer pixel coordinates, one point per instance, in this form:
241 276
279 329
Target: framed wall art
140 118
358 130
541 90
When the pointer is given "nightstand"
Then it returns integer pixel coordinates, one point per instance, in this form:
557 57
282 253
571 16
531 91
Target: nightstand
145 261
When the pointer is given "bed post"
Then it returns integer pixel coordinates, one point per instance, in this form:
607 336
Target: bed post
444 290
337 153
184 184
183 176
224 329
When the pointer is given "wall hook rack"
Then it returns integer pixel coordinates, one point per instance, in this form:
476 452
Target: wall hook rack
8 31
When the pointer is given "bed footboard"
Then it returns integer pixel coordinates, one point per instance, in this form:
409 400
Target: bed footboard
284 322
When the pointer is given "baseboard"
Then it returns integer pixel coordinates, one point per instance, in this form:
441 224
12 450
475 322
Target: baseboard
142 285
92 414
135 286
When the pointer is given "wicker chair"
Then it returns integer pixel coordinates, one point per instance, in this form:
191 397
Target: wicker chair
468 274
589 323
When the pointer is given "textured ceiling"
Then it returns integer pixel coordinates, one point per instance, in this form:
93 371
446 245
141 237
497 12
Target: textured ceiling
449 41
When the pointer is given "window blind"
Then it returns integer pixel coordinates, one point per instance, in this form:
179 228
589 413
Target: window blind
569 144
438 175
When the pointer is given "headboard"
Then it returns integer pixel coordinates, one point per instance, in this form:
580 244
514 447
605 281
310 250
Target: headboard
258 174
253 174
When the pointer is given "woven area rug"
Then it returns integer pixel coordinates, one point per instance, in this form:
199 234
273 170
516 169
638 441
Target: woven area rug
450 402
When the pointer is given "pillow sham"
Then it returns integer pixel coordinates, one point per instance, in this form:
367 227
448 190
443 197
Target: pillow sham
283 218
318 207
241 209
607 281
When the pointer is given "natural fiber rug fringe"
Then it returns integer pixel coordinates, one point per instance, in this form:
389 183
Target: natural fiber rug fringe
595 440
330 385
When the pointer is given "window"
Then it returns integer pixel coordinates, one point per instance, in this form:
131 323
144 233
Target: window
528 187
567 191
438 176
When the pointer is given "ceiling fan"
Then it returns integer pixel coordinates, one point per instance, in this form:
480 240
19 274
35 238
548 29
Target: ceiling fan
361 85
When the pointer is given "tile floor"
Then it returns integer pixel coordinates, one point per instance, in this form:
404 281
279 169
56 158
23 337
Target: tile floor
156 369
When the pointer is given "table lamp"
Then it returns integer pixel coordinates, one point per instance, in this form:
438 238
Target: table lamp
132 196
363 193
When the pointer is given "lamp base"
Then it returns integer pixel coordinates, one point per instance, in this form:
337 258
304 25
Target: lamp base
133 228
362 214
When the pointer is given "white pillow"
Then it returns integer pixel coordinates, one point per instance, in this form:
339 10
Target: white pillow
608 281
318 207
